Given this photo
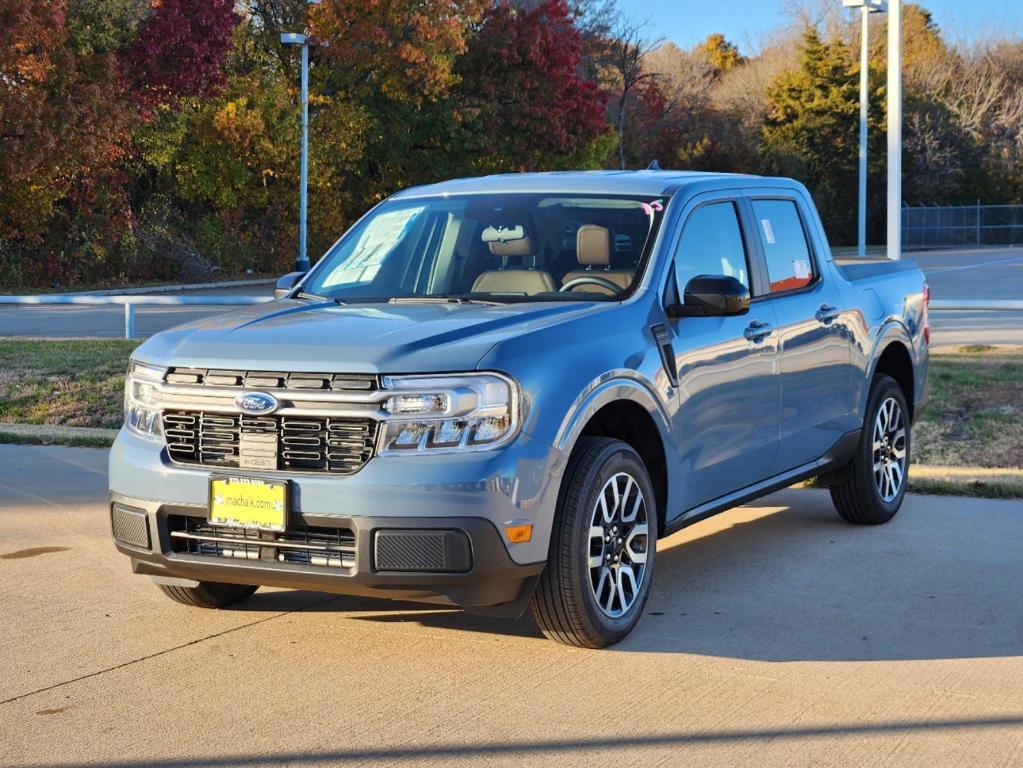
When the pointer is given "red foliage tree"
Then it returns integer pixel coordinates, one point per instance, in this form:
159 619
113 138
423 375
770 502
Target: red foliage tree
523 90
180 49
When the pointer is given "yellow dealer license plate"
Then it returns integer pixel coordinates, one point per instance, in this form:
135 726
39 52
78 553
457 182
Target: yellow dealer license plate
249 502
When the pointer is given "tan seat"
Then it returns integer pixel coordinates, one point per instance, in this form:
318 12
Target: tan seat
593 249
515 281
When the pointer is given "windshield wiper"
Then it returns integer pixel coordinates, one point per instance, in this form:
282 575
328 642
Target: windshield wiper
317 297
442 298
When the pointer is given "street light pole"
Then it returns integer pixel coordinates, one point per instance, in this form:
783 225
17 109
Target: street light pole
866 7
292 38
864 96
895 130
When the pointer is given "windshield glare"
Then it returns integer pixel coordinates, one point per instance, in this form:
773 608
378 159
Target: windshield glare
495 248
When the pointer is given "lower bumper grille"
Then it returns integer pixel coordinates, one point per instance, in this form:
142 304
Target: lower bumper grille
130 526
307 444
310 545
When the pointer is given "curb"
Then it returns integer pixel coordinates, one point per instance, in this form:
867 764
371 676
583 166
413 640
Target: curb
55 434
172 288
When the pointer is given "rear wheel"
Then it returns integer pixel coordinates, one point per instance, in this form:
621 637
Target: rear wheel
598 575
209 594
872 487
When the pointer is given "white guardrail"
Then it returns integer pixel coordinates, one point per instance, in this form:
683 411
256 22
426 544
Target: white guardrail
130 302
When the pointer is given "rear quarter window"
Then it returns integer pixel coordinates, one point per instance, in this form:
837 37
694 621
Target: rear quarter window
789 261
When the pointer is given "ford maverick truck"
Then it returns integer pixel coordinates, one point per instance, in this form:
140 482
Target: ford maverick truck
499 393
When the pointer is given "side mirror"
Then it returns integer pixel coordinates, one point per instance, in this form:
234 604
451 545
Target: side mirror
712 296
286 283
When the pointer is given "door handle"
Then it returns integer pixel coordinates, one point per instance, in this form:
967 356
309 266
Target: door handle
757 331
826 313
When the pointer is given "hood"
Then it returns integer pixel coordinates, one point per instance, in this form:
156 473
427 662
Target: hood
292 335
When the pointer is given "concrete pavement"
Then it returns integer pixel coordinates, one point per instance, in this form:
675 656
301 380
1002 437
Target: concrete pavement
775 635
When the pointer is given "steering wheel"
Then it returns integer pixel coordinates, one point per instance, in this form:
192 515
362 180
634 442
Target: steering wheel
603 282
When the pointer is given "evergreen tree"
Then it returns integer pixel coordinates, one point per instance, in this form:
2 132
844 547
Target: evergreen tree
811 132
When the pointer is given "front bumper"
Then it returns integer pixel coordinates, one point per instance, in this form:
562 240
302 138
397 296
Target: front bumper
487 579
472 496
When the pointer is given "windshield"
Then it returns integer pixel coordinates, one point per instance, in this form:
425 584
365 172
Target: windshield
494 248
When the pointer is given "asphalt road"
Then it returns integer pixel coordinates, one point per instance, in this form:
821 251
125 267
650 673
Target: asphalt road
776 635
962 274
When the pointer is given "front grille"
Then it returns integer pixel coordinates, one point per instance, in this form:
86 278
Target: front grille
213 377
302 444
303 545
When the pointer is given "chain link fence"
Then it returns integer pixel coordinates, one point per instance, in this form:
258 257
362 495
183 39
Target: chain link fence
954 226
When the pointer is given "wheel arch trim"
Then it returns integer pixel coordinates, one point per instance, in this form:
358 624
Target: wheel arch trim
608 388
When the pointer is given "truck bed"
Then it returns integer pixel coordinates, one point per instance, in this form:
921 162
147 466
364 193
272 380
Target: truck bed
854 269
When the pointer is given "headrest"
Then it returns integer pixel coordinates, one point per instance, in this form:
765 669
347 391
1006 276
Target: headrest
593 246
521 247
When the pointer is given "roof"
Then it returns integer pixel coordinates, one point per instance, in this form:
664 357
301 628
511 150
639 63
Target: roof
573 182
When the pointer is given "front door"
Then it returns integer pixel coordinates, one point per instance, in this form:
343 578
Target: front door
727 417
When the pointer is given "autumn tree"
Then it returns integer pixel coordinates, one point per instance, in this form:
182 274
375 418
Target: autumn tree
179 49
523 102
722 54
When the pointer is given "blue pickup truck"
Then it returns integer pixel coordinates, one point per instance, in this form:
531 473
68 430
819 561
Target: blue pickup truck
498 393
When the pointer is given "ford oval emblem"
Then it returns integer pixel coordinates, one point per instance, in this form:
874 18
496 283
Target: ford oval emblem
256 402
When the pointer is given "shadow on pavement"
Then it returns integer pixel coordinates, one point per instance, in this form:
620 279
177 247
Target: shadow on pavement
562 748
794 583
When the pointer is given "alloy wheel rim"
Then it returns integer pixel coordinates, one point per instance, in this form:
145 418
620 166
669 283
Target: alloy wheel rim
889 450
618 545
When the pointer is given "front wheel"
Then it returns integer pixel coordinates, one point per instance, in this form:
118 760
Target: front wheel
208 594
601 560
872 487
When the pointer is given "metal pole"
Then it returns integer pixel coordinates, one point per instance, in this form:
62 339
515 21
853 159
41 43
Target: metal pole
302 263
895 130
864 96
978 221
129 320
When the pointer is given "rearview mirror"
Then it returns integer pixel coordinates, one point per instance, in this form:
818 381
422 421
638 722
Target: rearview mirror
503 234
712 296
286 283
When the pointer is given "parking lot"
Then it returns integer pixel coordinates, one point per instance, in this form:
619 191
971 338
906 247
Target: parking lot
775 634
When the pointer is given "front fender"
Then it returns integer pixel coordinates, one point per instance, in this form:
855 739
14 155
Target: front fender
608 388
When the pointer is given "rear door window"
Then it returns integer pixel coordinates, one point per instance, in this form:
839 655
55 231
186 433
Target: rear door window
786 251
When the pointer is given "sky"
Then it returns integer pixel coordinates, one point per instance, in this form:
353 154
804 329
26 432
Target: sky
750 22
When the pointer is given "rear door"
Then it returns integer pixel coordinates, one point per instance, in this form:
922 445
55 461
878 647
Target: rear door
811 333
727 417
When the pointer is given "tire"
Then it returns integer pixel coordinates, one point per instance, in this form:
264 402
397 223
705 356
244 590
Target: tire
565 604
209 594
863 495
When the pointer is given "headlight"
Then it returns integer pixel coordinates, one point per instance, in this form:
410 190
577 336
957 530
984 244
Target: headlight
142 400
450 413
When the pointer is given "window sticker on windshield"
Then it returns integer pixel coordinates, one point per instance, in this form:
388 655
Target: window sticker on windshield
768 231
801 269
383 233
